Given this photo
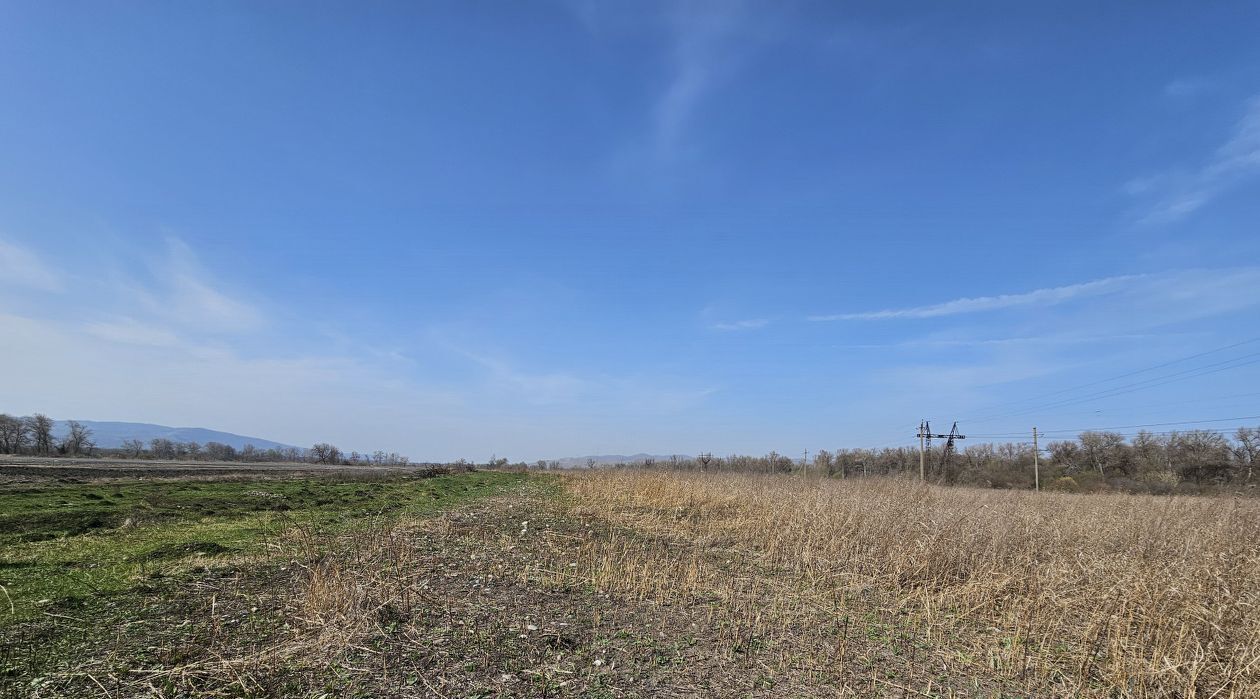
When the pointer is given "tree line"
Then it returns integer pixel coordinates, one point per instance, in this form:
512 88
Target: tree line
33 435
1159 463
1183 461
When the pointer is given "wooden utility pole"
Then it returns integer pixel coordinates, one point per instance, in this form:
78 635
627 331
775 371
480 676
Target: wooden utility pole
1036 462
805 464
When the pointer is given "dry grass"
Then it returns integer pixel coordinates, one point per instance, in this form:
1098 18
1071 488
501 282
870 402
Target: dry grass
1096 595
670 585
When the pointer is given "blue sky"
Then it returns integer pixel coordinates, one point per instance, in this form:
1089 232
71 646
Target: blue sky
454 229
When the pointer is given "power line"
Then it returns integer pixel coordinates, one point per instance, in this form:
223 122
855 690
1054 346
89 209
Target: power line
895 445
1168 433
1114 378
1115 412
1150 383
1198 399
1137 385
1122 427
1195 372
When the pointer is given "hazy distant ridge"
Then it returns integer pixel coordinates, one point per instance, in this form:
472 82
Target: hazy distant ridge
111 435
605 459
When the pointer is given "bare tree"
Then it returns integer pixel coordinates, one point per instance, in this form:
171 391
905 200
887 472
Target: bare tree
1065 455
1247 452
825 462
1150 454
778 463
218 451
1102 449
13 434
133 448
325 453
40 427
1200 455
162 448
78 440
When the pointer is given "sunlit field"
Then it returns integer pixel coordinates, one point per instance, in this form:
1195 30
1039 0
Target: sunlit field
1097 595
625 583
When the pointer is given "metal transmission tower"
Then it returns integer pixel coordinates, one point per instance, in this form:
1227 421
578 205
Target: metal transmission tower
949 444
925 443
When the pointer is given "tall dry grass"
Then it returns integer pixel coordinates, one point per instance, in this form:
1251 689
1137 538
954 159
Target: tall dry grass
1102 595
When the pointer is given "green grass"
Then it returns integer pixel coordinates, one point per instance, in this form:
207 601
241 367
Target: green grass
67 547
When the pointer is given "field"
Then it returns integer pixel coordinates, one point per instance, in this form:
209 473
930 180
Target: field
618 584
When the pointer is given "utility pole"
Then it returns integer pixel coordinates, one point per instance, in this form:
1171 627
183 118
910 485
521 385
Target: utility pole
805 464
923 432
1036 463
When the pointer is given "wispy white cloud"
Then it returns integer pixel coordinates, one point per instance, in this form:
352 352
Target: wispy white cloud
23 268
1185 88
167 341
185 294
508 383
707 40
735 325
125 370
1195 293
1177 195
535 387
979 304
1048 340
947 379
132 332
160 341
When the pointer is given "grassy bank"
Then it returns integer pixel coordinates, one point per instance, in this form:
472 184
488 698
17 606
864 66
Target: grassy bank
118 569
65 546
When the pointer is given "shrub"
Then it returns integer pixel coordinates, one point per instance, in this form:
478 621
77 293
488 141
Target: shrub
1064 484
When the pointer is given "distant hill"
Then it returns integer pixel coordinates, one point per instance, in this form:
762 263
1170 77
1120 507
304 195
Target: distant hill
609 459
111 435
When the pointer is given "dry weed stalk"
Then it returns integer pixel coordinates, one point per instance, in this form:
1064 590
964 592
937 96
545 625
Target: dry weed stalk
355 584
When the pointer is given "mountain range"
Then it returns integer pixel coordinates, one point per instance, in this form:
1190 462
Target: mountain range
111 435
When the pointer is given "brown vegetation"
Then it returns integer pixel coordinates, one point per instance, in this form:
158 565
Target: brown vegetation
1104 595
871 587
624 583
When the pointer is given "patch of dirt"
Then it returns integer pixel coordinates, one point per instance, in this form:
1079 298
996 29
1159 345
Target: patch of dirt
174 551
